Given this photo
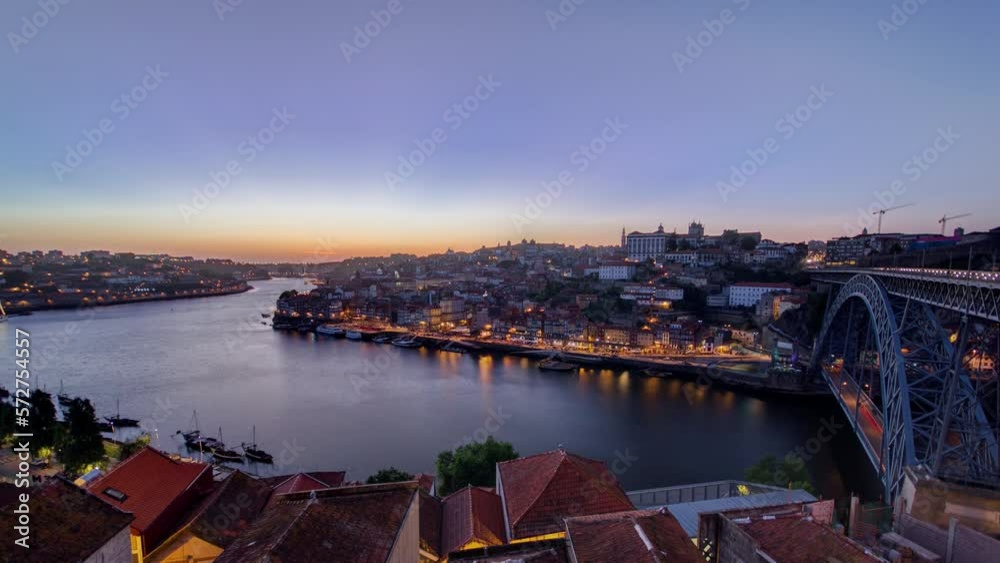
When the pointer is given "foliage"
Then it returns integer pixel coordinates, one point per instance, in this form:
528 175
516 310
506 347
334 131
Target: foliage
288 293
788 472
472 464
389 475
83 444
42 421
748 243
132 447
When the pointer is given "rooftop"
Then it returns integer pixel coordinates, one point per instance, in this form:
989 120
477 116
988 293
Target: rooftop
638 536
794 539
72 523
343 524
471 514
541 490
687 513
146 484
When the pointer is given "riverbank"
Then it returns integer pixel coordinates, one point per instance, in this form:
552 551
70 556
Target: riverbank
745 375
76 301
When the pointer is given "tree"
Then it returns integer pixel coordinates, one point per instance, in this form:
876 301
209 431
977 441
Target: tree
789 472
83 444
132 447
472 464
389 475
42 421
684 244
748 243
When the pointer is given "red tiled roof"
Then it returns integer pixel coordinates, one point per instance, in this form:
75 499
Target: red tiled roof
624 536
151 481
425 481
229 510
341 524
303 482
430 523
471 514
70 524
540 491
793 539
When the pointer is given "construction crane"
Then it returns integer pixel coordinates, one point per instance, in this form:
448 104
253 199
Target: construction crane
944 220
882 212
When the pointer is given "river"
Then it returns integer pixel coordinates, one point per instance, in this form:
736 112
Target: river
320 403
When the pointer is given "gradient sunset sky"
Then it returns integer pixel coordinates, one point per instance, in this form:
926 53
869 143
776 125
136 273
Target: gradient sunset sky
319 189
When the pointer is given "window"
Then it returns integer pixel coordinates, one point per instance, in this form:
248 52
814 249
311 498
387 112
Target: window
115 494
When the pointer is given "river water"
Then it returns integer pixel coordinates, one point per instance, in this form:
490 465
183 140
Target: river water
320 403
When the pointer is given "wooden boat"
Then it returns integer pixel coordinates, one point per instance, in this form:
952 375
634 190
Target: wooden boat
253 452
219 450
120 421
354 335
382 339
551 364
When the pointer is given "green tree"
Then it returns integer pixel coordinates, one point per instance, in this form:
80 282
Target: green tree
788 472
748 243
472 464
132 447
83 443
389 475
42 421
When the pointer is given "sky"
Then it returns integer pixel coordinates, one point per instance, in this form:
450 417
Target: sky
265 130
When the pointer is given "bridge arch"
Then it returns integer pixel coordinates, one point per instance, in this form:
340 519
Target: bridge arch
896 448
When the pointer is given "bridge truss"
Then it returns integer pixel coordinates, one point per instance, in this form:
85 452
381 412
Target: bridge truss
911 362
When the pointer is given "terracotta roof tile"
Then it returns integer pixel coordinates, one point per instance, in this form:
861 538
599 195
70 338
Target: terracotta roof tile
70 524
341 524
623 536
471 514
541 490
302 482
793 539
151 482
430 523
230 509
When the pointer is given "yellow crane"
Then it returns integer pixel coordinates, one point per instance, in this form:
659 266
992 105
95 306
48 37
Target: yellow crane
944 220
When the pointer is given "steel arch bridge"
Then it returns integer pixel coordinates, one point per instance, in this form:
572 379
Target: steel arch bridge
909 354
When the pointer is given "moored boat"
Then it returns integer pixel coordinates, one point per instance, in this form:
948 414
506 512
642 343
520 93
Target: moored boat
551 364
119 420
220 451
408 341
255 453
330 330
382 339
354 335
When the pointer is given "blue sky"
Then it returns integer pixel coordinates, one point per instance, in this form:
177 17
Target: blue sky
323 176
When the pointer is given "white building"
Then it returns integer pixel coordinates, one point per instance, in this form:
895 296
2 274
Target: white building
617 270
670 293
644 246
748 294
